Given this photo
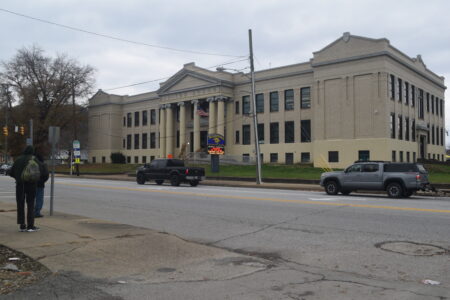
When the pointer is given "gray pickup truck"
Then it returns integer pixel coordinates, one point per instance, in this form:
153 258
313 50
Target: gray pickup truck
397 179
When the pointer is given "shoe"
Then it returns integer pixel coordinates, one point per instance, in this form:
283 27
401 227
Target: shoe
33 229
23 228
39 216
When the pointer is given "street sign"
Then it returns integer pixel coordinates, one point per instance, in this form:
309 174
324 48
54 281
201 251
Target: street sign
76 144
76 153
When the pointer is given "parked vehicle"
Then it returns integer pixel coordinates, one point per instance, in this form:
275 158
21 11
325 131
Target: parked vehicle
397 179
5 168
173 170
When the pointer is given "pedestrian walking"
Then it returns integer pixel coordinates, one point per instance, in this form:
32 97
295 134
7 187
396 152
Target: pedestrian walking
26 172
40 186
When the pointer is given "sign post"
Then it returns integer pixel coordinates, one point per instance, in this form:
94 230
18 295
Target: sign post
76 155
53 138
216 147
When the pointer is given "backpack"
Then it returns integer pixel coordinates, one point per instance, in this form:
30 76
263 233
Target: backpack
31 172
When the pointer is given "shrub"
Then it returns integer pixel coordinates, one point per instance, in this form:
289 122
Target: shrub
117 158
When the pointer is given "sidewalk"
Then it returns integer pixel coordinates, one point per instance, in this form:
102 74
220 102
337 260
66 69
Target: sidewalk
119 253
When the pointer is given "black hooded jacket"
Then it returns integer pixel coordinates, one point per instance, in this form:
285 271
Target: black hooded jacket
20 163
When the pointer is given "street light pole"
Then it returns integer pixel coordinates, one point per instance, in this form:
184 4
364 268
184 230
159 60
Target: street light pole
255 117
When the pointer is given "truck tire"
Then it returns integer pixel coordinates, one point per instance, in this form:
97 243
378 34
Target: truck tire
175 180
394 190
193 182
159 181
140 178
331 187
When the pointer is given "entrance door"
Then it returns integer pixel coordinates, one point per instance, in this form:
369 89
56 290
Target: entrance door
422 143
203 139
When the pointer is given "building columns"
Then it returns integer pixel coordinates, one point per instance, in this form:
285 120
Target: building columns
196 126
212 127
220 129
162 131
182 126
169 131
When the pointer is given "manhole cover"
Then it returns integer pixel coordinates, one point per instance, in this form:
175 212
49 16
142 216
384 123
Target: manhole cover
411 248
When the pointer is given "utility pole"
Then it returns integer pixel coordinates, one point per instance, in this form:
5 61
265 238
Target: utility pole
255 117
5 93
75 138
31 132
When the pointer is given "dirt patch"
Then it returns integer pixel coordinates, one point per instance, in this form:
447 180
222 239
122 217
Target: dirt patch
18 270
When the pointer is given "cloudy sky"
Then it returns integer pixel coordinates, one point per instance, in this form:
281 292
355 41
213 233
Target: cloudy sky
284 32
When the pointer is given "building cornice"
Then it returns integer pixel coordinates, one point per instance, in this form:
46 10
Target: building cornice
279 76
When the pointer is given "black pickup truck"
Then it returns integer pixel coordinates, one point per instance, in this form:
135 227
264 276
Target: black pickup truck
169 169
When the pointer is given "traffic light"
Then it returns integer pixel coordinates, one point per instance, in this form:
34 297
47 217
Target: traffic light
22 130
5 130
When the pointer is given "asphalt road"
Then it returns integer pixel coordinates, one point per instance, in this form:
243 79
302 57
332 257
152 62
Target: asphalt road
363 244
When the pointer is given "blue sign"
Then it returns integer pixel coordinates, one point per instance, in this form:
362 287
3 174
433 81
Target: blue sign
216 144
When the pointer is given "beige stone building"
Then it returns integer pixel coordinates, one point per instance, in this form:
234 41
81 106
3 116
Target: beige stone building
357 98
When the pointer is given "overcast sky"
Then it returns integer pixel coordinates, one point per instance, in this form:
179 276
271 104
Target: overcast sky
284 32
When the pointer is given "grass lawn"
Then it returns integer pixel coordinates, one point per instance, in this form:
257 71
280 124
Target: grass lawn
438 173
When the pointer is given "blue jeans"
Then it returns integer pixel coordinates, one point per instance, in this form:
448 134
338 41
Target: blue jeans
39 201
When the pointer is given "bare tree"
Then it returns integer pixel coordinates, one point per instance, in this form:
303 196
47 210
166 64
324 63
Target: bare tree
42 89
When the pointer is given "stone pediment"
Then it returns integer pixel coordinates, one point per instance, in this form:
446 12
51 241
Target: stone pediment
187 80
349 46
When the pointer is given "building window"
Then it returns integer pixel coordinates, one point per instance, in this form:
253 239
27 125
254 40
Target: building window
305 157
236 107
413 95
136 119
245 157
273 101
363 155
259 103
406 129
245 134
124 121
144 118
400 90
441 110
94 159
289 134
401 156
129 120
152 140
144 141
392 86
432 104
136 141
421 112
408 156
136 159
246 105
305 129
406 93
442 137
333 156
178 139
428 133
413 130
305 97
124 143
236 137
103 159
288 99
273 157
144 159
289 158
152 158
432 135
261 133
128 159
437 135
437 106
400 127
428 102
128 141
152 116
414 157
394 159
392 125
274 138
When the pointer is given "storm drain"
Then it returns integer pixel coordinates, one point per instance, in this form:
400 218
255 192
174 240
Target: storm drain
412 248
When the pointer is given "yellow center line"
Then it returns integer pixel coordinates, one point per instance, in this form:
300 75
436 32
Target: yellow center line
261 199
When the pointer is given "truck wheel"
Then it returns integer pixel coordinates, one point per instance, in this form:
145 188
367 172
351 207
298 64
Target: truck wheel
193 182
331 187
140 178
394 190
159 181
175 180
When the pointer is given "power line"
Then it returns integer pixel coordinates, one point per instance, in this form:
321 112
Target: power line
117 38
164 78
